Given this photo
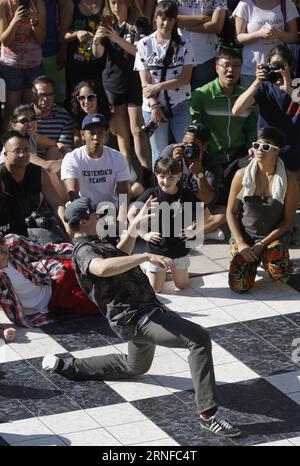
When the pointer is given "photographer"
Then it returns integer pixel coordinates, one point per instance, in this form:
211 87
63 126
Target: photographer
202 174
272 92
165 65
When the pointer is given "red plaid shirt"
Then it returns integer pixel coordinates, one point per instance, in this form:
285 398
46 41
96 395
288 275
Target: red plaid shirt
37 264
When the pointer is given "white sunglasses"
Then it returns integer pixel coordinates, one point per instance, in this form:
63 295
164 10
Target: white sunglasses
264 146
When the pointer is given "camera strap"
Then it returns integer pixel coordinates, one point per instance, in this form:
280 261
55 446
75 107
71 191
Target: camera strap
166 63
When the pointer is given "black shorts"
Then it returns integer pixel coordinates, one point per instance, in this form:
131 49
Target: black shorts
131 99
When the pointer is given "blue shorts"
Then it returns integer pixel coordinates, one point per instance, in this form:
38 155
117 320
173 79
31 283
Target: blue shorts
17 79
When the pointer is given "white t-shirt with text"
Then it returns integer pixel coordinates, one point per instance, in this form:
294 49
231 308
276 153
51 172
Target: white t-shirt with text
97 178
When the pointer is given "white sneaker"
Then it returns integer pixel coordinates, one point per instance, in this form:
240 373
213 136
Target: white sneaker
50 362
218 235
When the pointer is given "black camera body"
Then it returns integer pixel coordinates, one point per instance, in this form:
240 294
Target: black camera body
270 68
191 151
150 126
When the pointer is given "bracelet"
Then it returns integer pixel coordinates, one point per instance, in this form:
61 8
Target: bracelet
153 105
262 244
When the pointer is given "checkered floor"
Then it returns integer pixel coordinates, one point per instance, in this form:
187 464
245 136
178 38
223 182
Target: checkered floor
257 378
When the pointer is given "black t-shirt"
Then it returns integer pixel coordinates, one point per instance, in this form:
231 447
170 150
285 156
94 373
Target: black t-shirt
116 295
11 218
28 191
171 223
118 76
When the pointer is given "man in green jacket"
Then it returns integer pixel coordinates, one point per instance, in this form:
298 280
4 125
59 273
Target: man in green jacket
230 136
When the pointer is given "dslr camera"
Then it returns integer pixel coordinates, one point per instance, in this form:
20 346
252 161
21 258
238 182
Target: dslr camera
271 68
191 151
150 126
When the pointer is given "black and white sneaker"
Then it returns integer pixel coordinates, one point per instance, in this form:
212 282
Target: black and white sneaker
52 363
219 426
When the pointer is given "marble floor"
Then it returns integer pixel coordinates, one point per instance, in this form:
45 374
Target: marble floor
256 351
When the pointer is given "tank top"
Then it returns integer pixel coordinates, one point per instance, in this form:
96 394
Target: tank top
23 52
28 191
258 217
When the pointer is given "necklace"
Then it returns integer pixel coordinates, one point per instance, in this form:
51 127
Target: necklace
263 187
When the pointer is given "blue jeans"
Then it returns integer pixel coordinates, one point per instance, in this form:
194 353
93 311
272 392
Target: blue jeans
178 122
203 73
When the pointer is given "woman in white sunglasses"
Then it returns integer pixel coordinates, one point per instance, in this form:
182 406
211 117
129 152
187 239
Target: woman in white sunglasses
260 211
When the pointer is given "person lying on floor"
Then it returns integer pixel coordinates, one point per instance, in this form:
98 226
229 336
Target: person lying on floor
34 280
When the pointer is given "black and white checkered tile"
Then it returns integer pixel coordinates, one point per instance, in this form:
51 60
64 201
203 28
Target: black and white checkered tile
257 378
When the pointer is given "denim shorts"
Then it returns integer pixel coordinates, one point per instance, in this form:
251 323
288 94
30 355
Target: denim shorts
18 79
181 263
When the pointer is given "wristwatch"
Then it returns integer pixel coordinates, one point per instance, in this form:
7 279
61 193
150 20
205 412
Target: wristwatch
200 175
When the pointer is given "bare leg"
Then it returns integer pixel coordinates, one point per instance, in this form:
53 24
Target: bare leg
120 127
180 278
140 140
157 280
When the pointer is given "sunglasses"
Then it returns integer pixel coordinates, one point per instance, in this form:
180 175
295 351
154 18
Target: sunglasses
25 120
83 98
264 146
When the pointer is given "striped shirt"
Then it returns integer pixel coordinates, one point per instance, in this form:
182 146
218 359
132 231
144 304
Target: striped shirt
57 126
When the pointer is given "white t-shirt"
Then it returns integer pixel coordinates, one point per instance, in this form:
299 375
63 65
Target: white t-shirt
203 43
97 178
150 55
34 298
257 52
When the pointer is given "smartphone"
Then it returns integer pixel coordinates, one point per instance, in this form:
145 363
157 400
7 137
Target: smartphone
25 4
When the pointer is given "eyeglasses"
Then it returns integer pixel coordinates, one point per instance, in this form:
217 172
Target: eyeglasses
45 95
226 66
25 120
83 98
264 146
19 151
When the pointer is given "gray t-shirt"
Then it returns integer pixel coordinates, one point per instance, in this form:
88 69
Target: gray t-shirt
124 298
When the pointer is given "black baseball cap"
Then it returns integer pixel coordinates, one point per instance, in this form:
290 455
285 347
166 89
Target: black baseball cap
79 209
198 130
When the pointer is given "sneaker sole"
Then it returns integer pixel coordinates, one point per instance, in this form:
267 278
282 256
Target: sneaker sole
237 434
50 363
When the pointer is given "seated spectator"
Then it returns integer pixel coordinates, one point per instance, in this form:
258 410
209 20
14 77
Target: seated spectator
165 65
230 136
166 241
24 120
273 95
88 97
40 194
11 218
202 174
200 22
22 31
261 210
95 170
32 283
53 121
